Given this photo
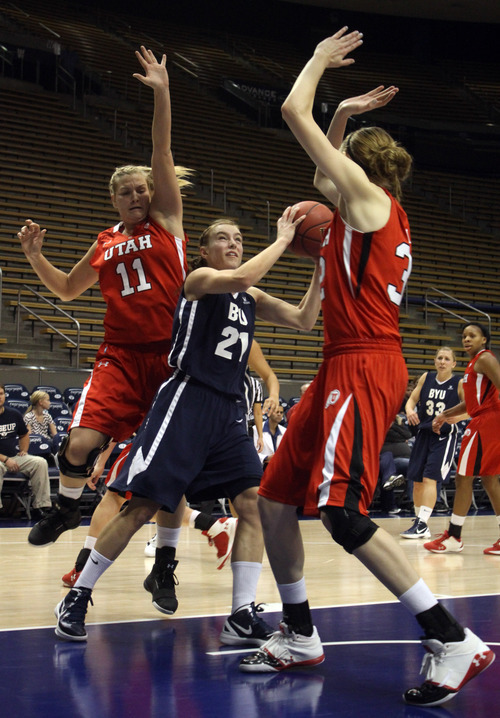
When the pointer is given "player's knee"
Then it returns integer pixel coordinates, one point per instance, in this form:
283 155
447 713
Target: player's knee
348 528
78 471
245 503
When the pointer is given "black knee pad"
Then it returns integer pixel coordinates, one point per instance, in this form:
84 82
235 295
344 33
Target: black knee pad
349 528
84 470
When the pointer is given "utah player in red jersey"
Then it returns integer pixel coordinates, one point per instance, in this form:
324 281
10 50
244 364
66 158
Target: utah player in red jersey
479 454
328 459
140 265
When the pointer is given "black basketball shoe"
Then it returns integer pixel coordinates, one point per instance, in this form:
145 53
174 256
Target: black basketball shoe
161 583
70 614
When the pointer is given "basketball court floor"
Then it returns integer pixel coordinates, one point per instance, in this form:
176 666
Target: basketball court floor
138 663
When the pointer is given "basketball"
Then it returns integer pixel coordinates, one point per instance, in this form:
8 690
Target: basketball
310 232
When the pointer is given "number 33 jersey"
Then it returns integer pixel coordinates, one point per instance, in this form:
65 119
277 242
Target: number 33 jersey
140 278
211 340
436 397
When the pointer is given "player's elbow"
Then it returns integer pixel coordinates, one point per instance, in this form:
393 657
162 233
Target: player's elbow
290 111
304 323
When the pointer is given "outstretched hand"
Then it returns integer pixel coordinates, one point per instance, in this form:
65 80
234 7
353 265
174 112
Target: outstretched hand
31 237
288 223
156 75
378 97
335 48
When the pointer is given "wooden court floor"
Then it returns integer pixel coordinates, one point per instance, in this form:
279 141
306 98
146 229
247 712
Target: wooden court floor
139 663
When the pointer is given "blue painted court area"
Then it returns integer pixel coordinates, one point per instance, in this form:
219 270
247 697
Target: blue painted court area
176 668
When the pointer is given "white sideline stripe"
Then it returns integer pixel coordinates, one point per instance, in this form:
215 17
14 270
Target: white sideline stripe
330 643
214 615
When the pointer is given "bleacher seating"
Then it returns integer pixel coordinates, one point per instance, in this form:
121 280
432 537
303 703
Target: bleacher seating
59 410
71 395
255 174
62 424
16 391
54 392
18 404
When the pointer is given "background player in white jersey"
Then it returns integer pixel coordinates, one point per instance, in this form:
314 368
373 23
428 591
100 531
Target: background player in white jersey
194 441
431 459
479 451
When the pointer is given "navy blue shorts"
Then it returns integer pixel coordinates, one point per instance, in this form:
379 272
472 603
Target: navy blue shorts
193 442
432 456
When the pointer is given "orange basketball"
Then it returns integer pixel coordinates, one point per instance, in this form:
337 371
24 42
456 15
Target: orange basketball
310 232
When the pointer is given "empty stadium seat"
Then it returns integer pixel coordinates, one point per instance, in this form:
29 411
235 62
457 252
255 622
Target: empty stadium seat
54 393
16 391
59 409
71 395
19 404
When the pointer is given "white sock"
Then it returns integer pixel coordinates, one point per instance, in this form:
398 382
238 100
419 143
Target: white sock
418 598
192 518
245 578
93 569
90 542
417 509
293 592
71 493
457 520
498 521
424 513
167 537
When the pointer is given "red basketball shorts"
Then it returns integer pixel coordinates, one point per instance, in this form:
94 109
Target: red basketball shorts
120 390
329 454
480 449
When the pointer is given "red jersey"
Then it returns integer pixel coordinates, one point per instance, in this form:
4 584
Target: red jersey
363 279
140 279
480 393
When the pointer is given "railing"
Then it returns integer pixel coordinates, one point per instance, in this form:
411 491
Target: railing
449 311
62 75
5 58
20 306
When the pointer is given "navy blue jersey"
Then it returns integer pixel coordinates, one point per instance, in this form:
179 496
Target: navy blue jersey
12 427
435 397
211 340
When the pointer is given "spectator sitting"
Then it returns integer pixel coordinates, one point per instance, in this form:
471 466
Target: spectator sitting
396 442
13 431
394 460
272 434
37 418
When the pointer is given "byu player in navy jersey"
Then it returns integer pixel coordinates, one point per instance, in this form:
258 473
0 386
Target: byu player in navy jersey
194 440
432 454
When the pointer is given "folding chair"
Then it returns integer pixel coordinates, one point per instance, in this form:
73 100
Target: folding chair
17 486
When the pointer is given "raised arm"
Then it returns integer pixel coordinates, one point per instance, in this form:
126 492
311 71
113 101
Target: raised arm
276 311
166 204
65 286
378 97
